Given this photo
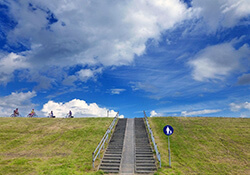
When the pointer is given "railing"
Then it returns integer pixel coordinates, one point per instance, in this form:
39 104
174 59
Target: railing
103 140
158 155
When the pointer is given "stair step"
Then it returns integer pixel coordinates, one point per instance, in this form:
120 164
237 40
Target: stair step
120 144
108 168
144 158
144 151
145 165
144 155
110 164
111 171
111 158
142 146
113 155
144 161
113 152
145 168
143 171
114 149
115 145
111 161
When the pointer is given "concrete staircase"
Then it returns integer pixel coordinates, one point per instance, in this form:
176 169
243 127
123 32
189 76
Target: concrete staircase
112 157
144 158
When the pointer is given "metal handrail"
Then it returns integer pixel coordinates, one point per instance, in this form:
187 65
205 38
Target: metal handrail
103 140
158 155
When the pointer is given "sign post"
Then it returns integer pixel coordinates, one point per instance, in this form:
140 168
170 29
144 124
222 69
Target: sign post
168 130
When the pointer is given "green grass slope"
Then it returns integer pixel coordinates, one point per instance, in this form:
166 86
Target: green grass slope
49 146
202 145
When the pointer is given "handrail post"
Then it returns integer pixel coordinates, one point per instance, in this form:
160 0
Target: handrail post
108 135
93 161
160 159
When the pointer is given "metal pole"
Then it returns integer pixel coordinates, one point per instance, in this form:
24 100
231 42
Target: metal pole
93 162
160 159
169 152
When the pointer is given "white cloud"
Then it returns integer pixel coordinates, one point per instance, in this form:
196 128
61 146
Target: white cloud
8 64
86 74
78 107
236 107
205 111
223 13
153 113
218 61
244 116
15 100
22 101
117 91
64 34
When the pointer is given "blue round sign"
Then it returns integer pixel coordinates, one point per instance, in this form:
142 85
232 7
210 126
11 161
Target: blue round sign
168 130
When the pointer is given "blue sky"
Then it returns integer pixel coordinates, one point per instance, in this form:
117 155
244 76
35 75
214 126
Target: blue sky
169 58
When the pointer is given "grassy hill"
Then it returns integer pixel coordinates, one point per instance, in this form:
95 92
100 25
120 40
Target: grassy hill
49 146
202 145
64 146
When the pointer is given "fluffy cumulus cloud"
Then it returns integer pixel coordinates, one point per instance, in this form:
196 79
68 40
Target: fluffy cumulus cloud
153 113
86 74
223 13
218 61
21 100
98 34
201 112
238 106
79 108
